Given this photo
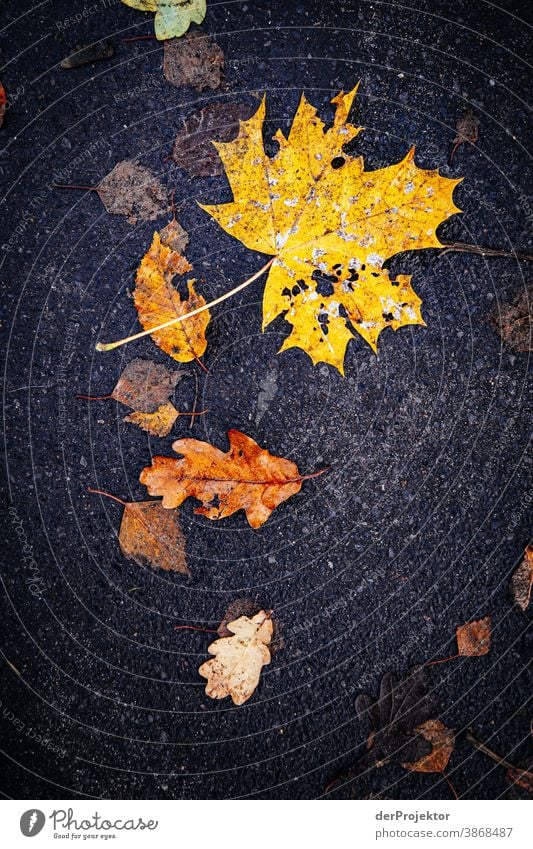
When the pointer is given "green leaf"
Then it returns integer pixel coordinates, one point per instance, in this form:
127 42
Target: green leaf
172 17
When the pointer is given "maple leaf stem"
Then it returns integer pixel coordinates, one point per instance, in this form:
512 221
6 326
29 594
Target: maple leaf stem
110 346
92 397
107 494
484 251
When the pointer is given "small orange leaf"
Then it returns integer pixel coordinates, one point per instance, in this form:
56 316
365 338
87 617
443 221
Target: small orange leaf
158 423
473 638
246 478
443 741
151 535
158 301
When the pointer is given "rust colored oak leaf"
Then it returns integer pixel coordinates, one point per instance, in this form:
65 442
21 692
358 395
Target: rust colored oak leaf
522 580
442 740
158 423
151 535
235 669
331 225
158 301
473 638
246 477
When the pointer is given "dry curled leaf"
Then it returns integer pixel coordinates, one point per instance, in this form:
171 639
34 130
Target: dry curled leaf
522 580
246 477
132 190
158 301
513 322
235 669
467 127
442 740
151 535
473 638
194 60
193 148
3 102
145 386
330 226
172 17
86 54
159 423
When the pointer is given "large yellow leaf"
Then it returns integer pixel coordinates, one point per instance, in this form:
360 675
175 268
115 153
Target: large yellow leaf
235 669
172 17
317 210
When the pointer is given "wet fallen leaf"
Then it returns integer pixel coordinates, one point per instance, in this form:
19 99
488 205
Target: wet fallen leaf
158 301
522 580
467 127
473 638
3 101
193 148
235 669
246 477
132 190
442 740
172 17
330 226
86 54
403 706
174 236
159 423
194 60
522 777
151 535
145 386
513 322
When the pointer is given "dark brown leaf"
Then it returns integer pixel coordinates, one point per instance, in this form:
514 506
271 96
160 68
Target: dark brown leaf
522 580
132 190
193 60
85 54
402 706
145 386
514 323
193 149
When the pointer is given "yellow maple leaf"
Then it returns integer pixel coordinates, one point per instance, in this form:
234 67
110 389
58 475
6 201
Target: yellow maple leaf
157 301
235 669
318 212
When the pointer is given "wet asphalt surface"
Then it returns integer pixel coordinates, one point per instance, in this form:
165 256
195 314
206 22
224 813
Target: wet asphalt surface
425 511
